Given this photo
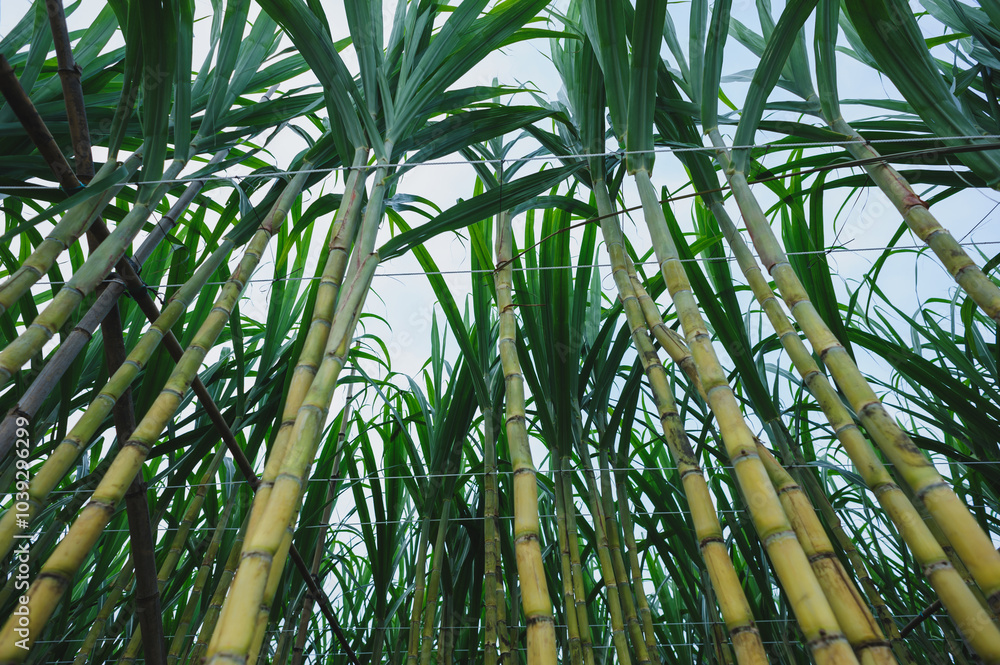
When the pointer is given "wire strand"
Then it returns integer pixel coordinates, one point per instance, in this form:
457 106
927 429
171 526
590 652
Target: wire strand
536 158
470 271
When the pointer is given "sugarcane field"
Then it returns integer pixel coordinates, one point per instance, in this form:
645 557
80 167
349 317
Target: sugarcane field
500 332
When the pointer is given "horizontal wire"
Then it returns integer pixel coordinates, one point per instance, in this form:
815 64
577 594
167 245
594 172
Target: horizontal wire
348 522
547 157
673 624
697 259
477 474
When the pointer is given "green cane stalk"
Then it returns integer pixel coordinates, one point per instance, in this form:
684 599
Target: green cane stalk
232 639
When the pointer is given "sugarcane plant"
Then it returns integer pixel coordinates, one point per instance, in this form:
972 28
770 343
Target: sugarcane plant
636 435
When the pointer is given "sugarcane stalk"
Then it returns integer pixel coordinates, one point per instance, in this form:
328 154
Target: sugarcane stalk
83 282
302 632
58 570
824 636
569 601
72 225
201 578
914 211
309 359
954 518
913 530
732 601
490 528
118 589
530 569
433 584
311 354
214 609
853 614
642 604
506 657
64 456
618 564
31 400
615 612
420 569
231 641
179 540
142 547
576 566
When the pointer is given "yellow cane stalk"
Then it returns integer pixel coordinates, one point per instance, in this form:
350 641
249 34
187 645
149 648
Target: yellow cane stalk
121 585
305 369
618 564
972 544
603 548
58 571
530 570
319 328
201 579
732 601
233 637
859 625
823 635
914 531
430 604
645 615
420 569
576 567
62 459
214 609
177 544
569 601
922 222
320 549
490 528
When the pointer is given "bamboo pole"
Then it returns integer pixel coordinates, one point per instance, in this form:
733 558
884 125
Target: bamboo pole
57 571
732 601
824 636
530 569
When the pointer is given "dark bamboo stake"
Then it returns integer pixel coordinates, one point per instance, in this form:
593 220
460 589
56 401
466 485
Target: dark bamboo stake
143 547
69 75
147 592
